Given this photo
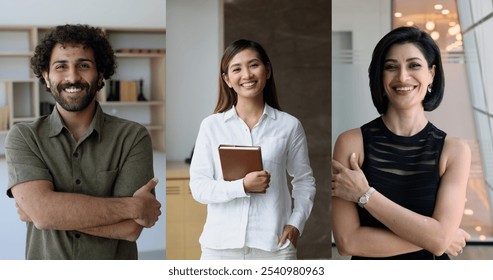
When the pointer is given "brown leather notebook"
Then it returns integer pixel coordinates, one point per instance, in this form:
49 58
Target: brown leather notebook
237 161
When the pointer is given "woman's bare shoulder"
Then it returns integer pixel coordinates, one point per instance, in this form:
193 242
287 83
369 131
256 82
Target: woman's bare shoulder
455 146
348 142
456 152
350 135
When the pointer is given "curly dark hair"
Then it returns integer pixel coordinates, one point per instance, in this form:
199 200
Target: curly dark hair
90 37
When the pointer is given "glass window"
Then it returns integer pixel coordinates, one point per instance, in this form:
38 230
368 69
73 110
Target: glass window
477 45
474 71
485 137
465 14
478 217
480 9
484 45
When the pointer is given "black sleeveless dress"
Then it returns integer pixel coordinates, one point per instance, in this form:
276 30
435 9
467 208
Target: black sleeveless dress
405 170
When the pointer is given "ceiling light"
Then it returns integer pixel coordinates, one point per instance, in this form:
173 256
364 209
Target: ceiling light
435 35
467 211
445 12
454 45
478 228
438 6
430 25
410 23
454 30
398 15
458 37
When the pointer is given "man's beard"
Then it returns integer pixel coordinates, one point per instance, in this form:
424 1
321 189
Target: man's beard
74 105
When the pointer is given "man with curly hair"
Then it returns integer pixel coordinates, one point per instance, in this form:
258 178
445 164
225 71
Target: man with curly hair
82 180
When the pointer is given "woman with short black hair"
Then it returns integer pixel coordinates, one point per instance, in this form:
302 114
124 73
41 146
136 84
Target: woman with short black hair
398 182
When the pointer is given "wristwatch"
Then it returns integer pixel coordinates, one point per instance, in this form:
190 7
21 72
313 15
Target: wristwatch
363 200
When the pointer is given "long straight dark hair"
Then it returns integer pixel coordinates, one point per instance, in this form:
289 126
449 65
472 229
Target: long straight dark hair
227 96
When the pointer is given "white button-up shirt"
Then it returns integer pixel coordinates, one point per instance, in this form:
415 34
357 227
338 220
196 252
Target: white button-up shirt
236 219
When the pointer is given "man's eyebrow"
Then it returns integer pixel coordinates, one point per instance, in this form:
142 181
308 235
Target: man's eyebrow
78 60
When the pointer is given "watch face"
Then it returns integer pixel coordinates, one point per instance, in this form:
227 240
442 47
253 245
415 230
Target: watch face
363 200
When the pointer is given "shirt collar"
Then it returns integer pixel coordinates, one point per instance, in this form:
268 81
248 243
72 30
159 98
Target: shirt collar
268 112
57 124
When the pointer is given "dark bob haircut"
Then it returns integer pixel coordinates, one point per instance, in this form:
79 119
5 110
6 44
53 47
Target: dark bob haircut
227 96
431 52
90 37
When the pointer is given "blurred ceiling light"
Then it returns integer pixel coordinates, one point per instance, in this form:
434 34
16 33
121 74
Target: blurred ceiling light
454 30
478 228
438 6
435 35
482 237
430 25
458 37
445 12
452 23
410 23
468 212
398 15
451 47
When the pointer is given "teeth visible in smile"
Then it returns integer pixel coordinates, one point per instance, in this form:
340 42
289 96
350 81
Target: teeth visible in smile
404 88
248 84
73 89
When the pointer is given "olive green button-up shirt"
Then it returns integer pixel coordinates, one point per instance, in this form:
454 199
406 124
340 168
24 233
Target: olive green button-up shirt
112 159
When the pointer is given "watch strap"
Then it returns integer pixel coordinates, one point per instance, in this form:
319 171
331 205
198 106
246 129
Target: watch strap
363 200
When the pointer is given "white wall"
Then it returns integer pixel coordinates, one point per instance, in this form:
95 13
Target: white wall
368 21
104 13
193 51
107 13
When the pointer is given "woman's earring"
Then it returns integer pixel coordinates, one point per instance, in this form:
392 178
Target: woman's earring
429 88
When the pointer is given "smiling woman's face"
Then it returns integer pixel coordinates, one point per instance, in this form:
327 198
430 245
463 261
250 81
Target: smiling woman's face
406 76
247 74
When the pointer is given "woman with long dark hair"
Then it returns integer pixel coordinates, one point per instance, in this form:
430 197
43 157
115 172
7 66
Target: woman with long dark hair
252 217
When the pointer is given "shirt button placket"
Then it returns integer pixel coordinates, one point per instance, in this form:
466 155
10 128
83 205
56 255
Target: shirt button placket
76 177
76 170
248 136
